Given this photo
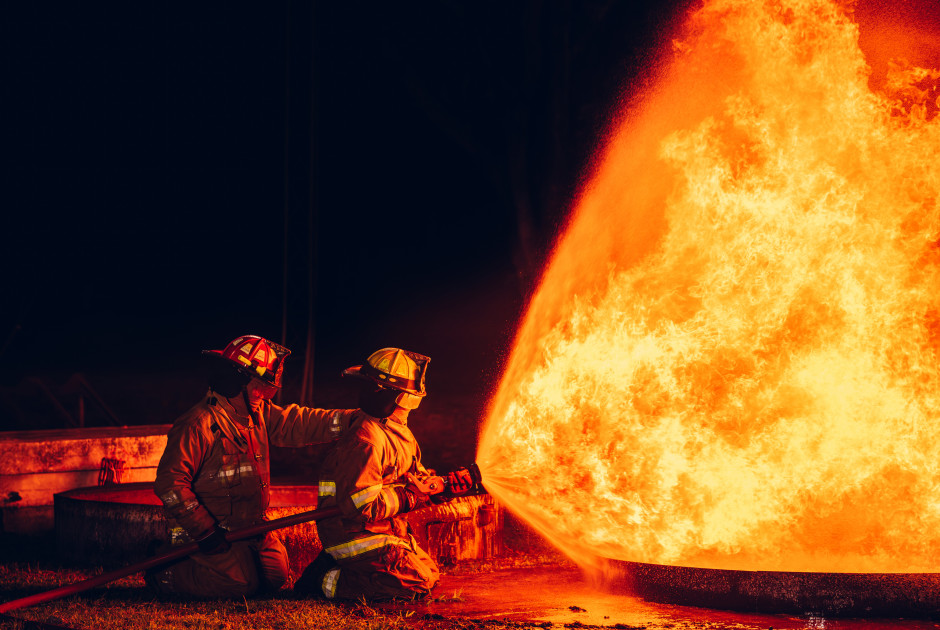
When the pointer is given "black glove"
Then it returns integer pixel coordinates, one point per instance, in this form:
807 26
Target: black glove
459 482
213 542
409 498
456 484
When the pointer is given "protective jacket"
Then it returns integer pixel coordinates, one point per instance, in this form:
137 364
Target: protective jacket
363 475
215 469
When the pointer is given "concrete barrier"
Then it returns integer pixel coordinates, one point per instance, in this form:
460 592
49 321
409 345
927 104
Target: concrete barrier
35 465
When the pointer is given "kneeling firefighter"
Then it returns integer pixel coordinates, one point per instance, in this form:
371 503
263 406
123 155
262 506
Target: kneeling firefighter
215 475
374 475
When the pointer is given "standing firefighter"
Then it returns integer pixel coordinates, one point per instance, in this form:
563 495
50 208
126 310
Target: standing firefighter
215 476
374 475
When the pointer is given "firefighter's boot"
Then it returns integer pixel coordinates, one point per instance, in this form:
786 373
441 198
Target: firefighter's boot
310 584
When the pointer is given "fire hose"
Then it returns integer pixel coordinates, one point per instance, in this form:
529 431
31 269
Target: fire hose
188 549
173 554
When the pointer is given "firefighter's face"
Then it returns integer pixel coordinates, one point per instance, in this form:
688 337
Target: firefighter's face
258 391
376 401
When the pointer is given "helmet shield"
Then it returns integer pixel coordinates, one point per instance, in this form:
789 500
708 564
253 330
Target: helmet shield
267 391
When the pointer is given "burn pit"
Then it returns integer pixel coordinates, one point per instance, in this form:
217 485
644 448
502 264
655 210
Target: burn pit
113 525
726 384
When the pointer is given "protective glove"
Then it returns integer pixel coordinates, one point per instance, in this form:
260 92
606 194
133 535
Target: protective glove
213 542
417 491
425 484
456 484
459 482
409 498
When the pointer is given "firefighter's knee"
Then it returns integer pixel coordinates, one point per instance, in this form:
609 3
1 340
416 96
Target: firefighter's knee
273 563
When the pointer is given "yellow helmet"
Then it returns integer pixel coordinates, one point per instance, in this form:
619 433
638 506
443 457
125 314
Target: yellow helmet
394 368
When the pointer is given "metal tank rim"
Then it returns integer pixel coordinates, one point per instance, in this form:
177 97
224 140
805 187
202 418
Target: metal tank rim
869 595
141 493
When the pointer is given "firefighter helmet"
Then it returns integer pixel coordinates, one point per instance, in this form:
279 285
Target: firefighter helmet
256 357
393 368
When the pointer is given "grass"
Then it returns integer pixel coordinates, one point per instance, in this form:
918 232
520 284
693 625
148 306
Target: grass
127 604
28 565
139 613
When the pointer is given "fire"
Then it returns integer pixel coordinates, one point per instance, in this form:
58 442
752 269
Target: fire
732 359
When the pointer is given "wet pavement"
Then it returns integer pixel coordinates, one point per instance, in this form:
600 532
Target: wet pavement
562 597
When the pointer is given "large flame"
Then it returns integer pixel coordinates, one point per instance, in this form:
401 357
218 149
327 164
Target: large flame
732 359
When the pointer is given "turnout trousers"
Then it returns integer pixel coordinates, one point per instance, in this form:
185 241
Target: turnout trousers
396 571
249 567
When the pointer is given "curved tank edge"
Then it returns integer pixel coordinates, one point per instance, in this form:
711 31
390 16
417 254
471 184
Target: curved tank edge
887 595
93 526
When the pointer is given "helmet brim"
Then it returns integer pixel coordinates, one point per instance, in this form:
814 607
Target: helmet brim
369 373
355 372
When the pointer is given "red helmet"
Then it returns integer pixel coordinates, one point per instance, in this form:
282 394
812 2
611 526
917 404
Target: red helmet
256 357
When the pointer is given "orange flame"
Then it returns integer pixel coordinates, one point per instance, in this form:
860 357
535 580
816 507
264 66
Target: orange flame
731 361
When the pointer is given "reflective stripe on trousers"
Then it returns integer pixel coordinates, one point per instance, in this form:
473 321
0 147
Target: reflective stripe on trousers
329 583
359 546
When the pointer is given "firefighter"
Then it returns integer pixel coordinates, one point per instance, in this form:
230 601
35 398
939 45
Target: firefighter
374 475
215 475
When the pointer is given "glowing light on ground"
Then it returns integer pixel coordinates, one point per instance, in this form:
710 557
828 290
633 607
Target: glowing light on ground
732 359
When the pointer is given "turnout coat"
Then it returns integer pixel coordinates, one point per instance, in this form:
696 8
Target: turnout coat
371 541
215 469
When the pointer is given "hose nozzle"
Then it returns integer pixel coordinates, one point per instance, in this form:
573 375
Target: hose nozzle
477 487
475 474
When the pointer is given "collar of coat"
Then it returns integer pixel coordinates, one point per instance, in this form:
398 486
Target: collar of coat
400 415
228 426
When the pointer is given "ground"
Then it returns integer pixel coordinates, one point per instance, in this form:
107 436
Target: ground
539 589
531 586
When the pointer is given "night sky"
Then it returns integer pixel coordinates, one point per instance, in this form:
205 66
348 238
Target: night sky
422 156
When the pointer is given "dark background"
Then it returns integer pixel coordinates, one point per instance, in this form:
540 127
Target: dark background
337 176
